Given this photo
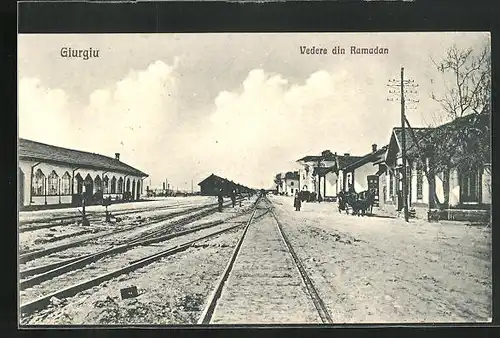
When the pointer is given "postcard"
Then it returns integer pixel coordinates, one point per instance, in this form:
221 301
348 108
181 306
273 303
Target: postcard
254 178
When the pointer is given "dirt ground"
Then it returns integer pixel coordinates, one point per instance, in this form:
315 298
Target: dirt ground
171 291
383 270
366 270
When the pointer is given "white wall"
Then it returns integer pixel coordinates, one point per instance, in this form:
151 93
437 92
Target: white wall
486 185
306 179
454 188
47 168
361 174
290 186
331 184
340 181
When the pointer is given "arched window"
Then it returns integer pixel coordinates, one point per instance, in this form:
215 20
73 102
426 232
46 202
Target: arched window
120 186
38 188
97 184
88 183
53 188
113 185
78 184
105 185
66 184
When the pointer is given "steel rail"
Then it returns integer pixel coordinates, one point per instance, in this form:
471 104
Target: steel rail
44 301
102 213
23 258
59 268
94 216
43 273
209 309
321 308
311 289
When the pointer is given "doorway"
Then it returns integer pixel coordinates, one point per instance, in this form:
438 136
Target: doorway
373 185
470 187
89 186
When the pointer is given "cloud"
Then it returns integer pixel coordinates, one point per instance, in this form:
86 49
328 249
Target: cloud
132 116
246 133
43 112
262 127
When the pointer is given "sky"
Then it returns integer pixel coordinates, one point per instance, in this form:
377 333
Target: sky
243 106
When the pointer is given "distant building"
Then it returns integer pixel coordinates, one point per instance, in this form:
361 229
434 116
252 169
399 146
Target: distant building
213 185
288 183
310 178
51 175
363 173
323 173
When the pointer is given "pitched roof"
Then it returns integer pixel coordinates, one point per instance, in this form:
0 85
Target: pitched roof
326 155
212 178
344 161
420 134
292 175
31 150
370 157
323 170
310 158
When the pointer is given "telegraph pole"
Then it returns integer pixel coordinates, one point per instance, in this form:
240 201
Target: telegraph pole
402 83
403 146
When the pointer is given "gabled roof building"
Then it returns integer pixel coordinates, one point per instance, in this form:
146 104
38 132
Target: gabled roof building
448 167
52 175
213 185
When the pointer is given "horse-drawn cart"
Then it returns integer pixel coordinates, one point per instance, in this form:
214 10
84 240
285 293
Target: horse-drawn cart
360 204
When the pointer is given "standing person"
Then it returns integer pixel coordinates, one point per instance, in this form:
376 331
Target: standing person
233 197
220 199
296 201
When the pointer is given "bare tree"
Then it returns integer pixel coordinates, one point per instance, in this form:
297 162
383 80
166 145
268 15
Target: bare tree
464 142
278 182
467 81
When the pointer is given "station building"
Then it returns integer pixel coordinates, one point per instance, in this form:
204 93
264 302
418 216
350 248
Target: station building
51 175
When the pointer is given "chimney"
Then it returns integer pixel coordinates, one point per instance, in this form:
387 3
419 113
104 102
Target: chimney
117 156
374 147
347 154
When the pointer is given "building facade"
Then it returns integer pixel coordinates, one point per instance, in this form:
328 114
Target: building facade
288 183
313 170
49 175
363 174
463 193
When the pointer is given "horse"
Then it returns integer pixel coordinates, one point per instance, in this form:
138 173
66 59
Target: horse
361 206
346 200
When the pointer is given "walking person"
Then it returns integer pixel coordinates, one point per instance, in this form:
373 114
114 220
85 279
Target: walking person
296 201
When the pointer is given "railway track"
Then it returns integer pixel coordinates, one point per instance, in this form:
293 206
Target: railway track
108 269
264 281
196 212
32 225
